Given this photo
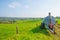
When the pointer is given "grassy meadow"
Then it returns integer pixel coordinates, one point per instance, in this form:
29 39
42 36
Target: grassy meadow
28 29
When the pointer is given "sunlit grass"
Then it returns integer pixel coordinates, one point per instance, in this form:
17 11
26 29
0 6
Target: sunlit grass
27 30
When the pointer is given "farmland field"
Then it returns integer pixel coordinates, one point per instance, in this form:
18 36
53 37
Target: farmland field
27 30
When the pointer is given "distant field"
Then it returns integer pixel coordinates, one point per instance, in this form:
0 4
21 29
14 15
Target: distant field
27 30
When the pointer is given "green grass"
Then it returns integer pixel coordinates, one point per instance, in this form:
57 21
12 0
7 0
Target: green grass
28 30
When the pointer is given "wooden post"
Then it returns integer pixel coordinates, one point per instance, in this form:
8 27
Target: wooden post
16 29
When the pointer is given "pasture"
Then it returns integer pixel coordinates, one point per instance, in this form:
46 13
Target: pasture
27 30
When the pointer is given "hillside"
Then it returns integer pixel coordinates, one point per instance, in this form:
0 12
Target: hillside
27 30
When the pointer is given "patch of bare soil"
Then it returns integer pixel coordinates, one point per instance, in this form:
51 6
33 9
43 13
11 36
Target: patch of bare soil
57 35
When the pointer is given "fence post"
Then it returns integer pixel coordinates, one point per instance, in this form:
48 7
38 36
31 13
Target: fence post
16 29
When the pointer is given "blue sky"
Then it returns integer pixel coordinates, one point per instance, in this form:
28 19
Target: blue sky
29 8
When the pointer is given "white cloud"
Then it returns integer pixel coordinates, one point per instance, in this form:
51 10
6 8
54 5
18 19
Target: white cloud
14 4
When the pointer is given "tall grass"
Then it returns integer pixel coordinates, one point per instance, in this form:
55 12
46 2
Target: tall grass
27 30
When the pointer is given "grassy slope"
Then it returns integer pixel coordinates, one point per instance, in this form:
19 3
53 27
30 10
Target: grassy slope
28 30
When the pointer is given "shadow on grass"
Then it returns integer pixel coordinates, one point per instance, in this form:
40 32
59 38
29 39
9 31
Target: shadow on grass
39 30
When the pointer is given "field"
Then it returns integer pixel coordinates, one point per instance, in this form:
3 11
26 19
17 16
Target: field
27 30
